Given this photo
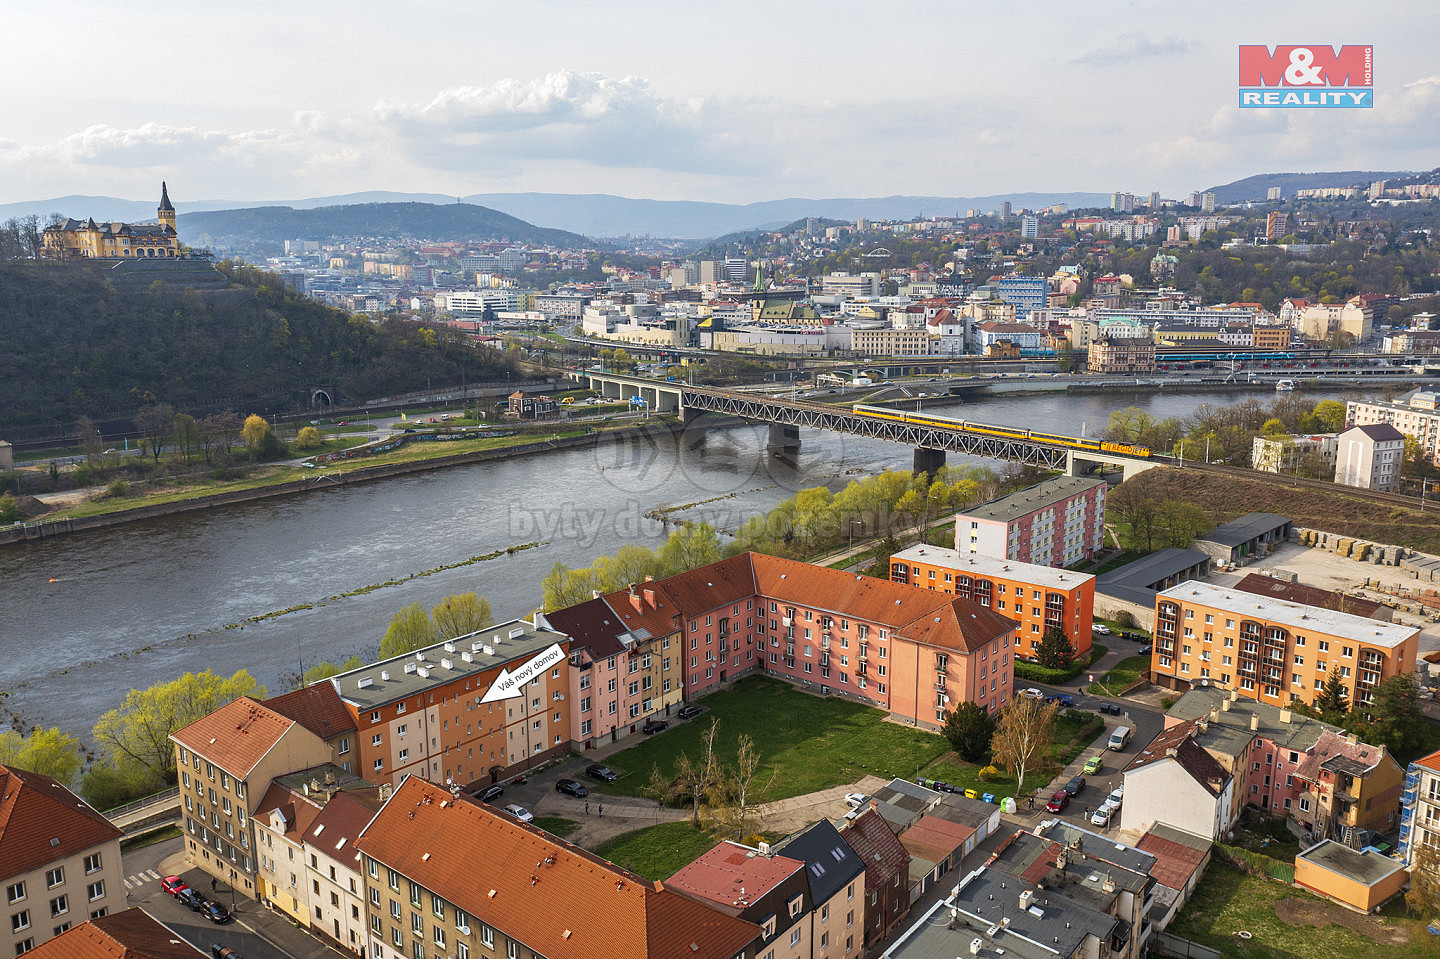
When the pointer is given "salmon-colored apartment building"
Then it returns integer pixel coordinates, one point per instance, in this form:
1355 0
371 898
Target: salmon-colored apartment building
911 651
1039 597
1271 650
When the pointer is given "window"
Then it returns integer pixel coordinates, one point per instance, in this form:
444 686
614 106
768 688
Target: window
20 920
487 936
55 877
92 863
16 892
59 905
795 936
96 890
376 739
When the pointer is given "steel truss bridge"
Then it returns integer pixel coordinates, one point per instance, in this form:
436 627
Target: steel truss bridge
787 416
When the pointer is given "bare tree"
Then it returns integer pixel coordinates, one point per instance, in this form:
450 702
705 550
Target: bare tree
89 439
1023 736
734 808
695 780
155 423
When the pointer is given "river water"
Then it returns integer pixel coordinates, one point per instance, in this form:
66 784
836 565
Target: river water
133 605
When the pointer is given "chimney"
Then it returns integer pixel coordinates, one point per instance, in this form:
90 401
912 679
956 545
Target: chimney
1025 898
1254 722
1202 726
1225 705
764 848
1285 715
650 597
1214 715
1171 751
1352 738
635 603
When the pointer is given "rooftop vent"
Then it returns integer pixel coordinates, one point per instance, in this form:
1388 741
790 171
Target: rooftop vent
447 664
517 632
410 667
450 647
384 675
365 682
467 657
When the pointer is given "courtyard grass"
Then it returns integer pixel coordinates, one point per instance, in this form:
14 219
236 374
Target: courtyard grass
1073 732
1121 676
814 742
556 825
1228 901
657 852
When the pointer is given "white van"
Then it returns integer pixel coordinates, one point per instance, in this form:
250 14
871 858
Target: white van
1120 738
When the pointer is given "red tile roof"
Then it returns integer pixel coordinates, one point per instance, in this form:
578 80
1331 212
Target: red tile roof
298 810
1188 755
875 843
592 626
131 934
558 899
709 587
733 876
236 736
1175 862
318 708
933 838
1262 585
1431 762
42 821
340 823
646 607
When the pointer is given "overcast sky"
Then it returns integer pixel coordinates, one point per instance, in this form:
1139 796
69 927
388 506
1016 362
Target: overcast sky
734 101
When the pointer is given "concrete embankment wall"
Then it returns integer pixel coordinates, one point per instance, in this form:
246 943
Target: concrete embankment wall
41 529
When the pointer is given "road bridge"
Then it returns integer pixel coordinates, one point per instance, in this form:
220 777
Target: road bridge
931 439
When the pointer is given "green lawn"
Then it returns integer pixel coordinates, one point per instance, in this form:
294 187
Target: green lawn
1228 901
1072 734
556 825
814 742
657 852
1122 675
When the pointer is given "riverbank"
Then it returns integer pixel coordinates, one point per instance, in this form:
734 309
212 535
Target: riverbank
170 504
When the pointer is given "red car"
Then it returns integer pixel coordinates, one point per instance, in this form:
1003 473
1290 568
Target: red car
174 885
1058 802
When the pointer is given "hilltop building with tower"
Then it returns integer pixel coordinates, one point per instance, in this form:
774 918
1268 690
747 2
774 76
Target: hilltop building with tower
115 241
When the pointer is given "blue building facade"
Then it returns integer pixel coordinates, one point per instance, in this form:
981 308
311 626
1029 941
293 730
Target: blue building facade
1025 292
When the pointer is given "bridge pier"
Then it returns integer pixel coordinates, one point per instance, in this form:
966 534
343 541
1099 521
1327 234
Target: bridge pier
927 461
783 437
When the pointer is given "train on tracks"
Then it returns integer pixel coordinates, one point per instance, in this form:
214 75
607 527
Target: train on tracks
1004 432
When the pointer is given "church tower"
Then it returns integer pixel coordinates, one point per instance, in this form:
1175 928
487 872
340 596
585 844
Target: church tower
166 212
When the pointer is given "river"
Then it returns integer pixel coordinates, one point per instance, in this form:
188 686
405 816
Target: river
136 604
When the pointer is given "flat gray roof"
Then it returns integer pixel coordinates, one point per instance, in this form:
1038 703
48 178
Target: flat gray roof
373 686
1244 529
973 564
1037 497
1136 582
1231 734
1366 867
1295 616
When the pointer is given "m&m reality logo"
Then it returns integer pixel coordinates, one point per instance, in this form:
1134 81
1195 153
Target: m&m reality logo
1312 76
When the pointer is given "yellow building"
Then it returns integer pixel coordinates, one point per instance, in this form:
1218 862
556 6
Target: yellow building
86 238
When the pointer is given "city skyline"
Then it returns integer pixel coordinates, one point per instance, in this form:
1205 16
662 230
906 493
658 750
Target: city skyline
276 103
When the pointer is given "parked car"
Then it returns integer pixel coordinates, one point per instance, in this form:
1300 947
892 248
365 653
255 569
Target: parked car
1058 802
1065 699
689 710
215 912
1101 629
174 885
572 786
856 800
1092 766
1101 816
1074 786
492 793
1145 650
1032 693
190 898
1117 796
653 726
519 812
603 773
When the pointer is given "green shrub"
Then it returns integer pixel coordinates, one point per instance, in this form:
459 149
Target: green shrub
9 510
1044 674
1125 619
83 475
117 489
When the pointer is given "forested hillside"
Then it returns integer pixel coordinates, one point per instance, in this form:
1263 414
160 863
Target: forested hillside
431 221
74 345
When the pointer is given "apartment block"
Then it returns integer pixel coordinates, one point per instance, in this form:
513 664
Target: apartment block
452 712
1271 650
1038 597
837 890
226 762
447 875
1420 807
1349 789
887 872
1055 523
1370 456
1416 414
61 860
1121 355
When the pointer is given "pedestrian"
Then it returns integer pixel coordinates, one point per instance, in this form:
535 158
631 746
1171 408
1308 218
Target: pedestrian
1087 812
601 811
587 807
212 884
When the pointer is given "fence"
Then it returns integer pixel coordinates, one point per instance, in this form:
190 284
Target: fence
1169 945
1254 862
154 798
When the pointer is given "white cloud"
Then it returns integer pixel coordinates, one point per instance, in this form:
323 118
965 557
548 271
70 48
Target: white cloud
1128 47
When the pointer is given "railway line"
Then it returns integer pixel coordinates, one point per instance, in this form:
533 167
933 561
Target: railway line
1303 482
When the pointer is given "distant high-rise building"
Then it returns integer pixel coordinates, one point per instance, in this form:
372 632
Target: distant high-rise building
1207 202
1154 203
1029 227
862 224
1195 199
1274 193
1005 210
1276 225
1025 292
735 268
812 226
1377 189
1122 202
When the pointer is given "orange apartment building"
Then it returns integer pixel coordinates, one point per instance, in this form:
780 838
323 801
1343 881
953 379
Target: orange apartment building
439 714
1039 597
911 651
1271 650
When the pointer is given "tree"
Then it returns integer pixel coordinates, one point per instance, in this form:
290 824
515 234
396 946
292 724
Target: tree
48 752
1333 702
155 421
307 439
322 670
695 780
89 439
1022 737
135 736
10 509
1331 414
410 629
1272 427
733 809
1423 896
1055 650
460 615
187 435
969 730
255 430
1393 717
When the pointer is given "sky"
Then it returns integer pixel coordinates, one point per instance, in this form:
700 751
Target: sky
733 102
